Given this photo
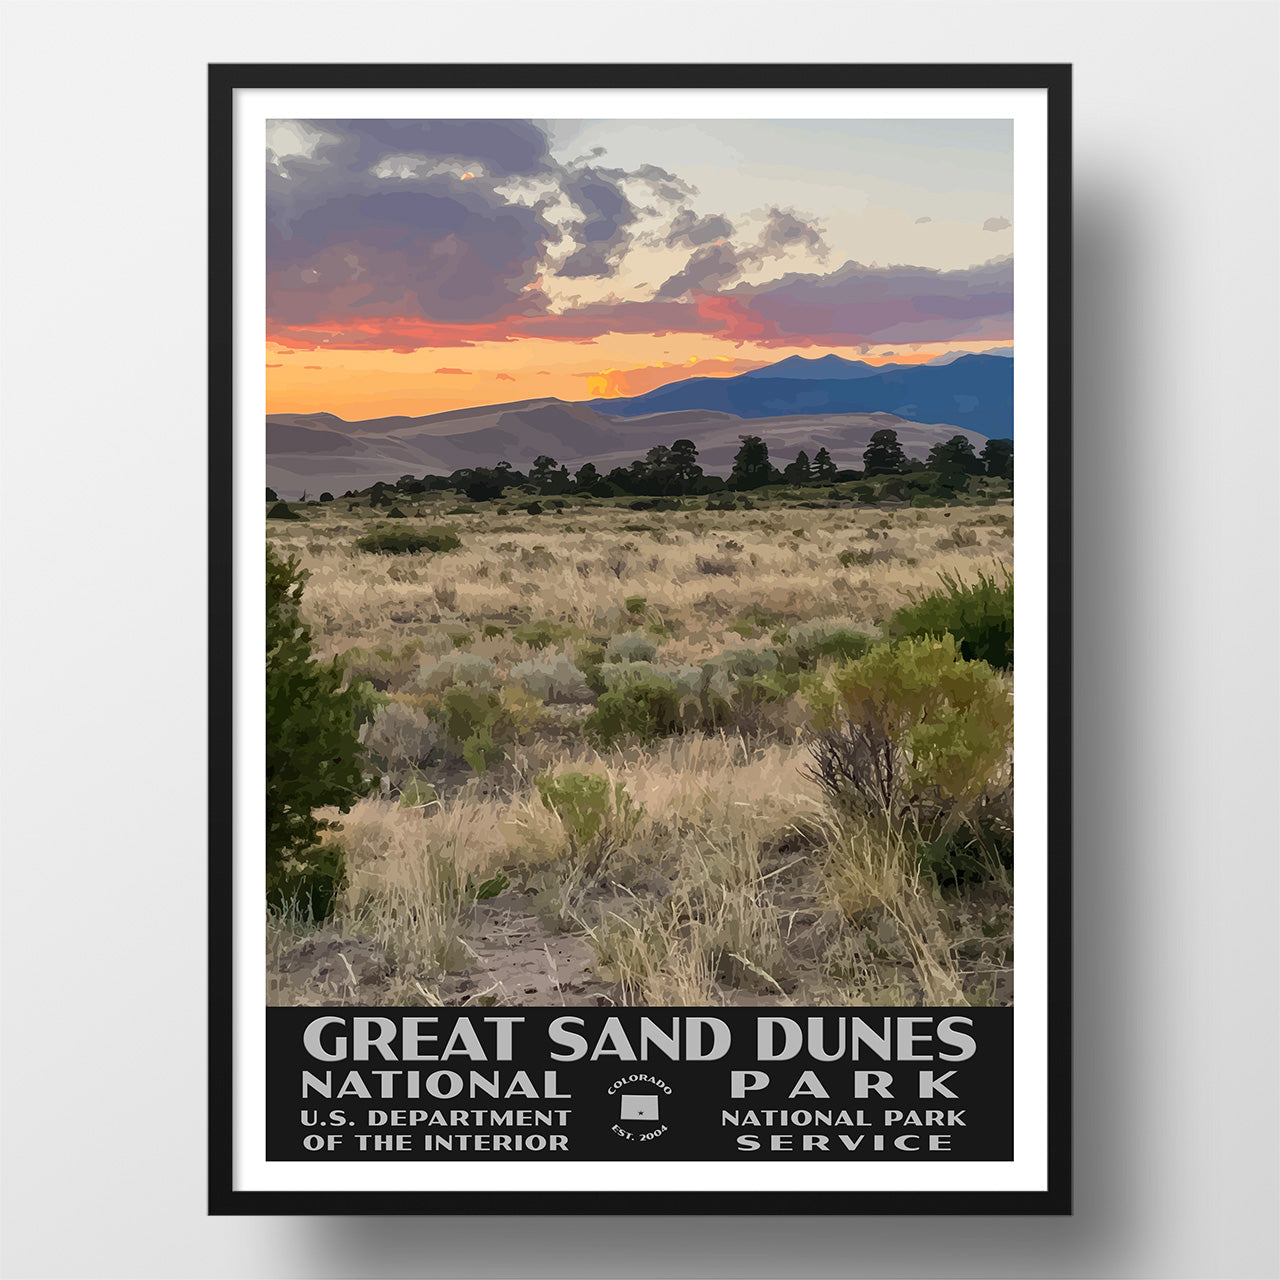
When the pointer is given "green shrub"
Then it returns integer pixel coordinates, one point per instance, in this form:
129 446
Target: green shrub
590 807
533 508
384 539
461 511
282 511
927 500
396 514
979 615
543 632
802 647
635 604
314 759
589 659
914 729
493 631
477 725
644 709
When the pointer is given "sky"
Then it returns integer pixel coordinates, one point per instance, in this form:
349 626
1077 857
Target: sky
417 266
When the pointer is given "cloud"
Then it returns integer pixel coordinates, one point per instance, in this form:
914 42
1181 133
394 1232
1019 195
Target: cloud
877 305
602 235
717 262
707 269
403 217
464 372
920 220
504 377
689 229
784 230
996 224
851 306
402 235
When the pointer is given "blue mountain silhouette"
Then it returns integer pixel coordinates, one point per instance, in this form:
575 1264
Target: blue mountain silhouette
972 391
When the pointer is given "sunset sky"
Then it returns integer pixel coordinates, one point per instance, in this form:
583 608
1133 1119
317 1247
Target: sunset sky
415 266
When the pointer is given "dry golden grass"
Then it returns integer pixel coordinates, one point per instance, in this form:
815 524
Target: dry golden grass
580 568
738 883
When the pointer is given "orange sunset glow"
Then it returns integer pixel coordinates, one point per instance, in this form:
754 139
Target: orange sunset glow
356 385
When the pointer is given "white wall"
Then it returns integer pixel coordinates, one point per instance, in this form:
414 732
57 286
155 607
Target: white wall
103 209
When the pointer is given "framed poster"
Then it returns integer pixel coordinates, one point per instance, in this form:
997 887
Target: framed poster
634 817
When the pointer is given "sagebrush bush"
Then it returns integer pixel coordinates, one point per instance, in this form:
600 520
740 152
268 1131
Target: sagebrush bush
685 678
400 738
738 663
552 677
314 758
716 566
632 646
979 615
802 647
453 669
384 668
282 511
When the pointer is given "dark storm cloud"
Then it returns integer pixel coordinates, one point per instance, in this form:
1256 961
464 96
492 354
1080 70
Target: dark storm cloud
403 218
446 222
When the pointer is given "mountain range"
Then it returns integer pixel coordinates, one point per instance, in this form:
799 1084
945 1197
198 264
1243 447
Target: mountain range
972 391
794 404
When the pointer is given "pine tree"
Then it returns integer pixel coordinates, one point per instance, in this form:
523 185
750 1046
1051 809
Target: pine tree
952 455
997 458
684 458
824 469
799 471
884 455
544 468
751 467
314 758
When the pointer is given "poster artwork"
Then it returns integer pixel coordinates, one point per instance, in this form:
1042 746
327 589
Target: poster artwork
640 721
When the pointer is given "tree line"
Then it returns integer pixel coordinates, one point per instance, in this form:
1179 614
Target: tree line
673 471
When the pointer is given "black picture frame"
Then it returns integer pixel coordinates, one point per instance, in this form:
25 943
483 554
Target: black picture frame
224 80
